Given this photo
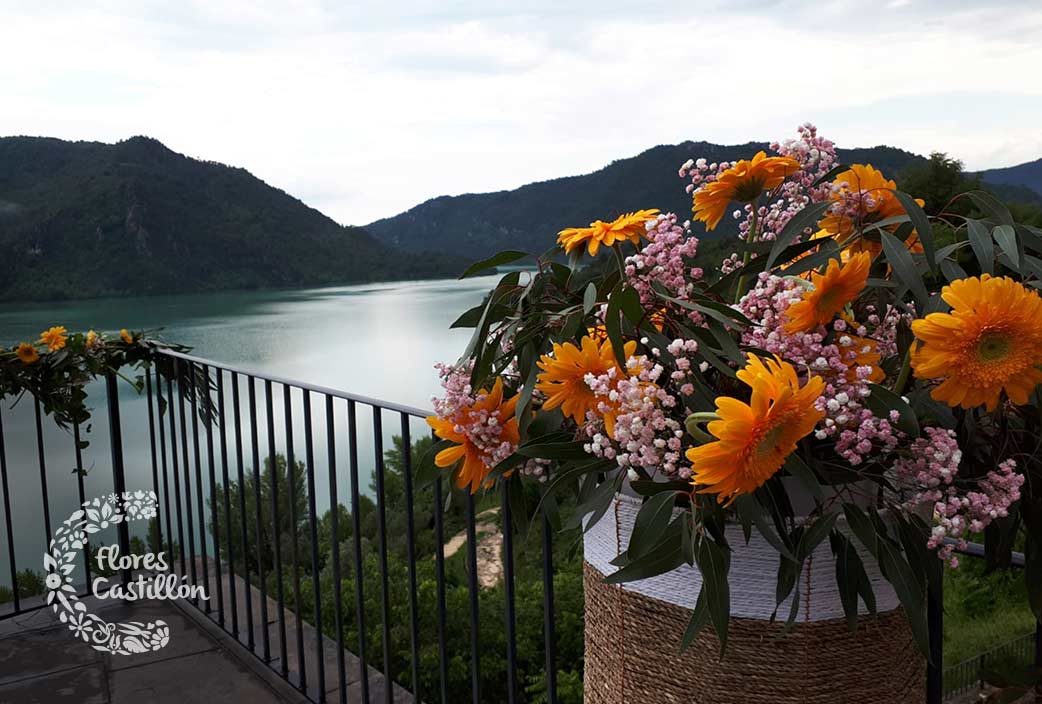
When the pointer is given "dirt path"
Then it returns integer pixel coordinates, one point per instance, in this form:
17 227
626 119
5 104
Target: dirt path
489 547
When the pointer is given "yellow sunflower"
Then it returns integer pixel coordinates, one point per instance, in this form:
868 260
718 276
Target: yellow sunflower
563 376
753 439
877 203
27 353
93 340
990 342
54 338
474 470
833 290
126 336
625 228
743 182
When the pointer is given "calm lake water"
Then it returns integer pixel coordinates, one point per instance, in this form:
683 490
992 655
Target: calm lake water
378 340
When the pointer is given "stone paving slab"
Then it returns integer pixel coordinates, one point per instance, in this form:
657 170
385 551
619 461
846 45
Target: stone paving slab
82 685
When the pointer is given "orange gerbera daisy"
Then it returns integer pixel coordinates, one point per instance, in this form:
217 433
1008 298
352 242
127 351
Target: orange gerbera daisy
625 228
563 376
753 439
833 290
54 338
862 352
990 342
27 353
743 182
475 466
126 336
873 199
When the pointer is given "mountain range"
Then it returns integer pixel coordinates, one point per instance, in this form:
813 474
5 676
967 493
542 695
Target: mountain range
529 217
87 219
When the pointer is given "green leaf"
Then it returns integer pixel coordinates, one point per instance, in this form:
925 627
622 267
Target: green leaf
613 325
597 504
589 298
714 562
493 261
699 619
909 591
952 271
572 450
426 472
851 578
992 207
922 227
664 557
650 524
904 267
649 487
862 527
795 465
750 508
470 318
805 218
813 536
983 248
882 400
1006 237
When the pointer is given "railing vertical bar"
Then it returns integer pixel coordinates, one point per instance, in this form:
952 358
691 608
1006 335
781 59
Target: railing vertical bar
176 471
381 537
508 586
472 580
43 473
935 629
259 527
155 467
410 547
119 480
7 517
200 508
356 519
222 427
182 381
163 459
291 481
309 455
549 636
243 532
276 535
439 571
215 529
82 493
334 504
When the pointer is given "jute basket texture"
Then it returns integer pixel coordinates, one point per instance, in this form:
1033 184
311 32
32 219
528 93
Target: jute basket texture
633 633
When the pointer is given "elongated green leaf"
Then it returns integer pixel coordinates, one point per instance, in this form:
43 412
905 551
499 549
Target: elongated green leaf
881 401
755 513
952 271
850 574
992 207
661 558
427 472
714 562
862 527
1006 237
493 261
904 267
613 325
555 451
795 465
650 524
470 318
983 248
598 503
923 229
589 298
909 591
648 487
829 250
814 535
808 217
699 619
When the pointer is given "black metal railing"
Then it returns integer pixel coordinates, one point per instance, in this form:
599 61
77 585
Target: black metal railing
242 464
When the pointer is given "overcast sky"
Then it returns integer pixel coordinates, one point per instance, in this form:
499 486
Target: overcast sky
363 109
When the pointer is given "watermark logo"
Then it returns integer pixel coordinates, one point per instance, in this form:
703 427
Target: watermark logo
71 537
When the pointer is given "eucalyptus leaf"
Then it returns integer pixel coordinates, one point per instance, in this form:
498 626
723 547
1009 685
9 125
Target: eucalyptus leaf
983 247
904 267
493 261
881 401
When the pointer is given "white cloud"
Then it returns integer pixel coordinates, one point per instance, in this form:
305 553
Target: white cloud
365 111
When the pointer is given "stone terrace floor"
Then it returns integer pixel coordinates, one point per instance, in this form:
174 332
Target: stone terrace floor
41 661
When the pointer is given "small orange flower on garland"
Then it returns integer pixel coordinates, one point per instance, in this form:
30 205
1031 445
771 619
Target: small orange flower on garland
625 228
990 342
126 336
27 353
55 338
743 182
831 292
753 439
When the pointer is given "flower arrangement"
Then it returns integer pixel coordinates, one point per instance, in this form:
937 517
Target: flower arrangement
855 351
56 368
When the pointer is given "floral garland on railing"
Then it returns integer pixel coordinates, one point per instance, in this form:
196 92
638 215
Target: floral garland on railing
846 346
56 368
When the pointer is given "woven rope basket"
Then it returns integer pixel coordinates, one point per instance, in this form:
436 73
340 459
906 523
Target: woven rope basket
633 633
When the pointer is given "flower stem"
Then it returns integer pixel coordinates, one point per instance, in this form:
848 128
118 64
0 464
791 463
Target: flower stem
902 377
747 257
